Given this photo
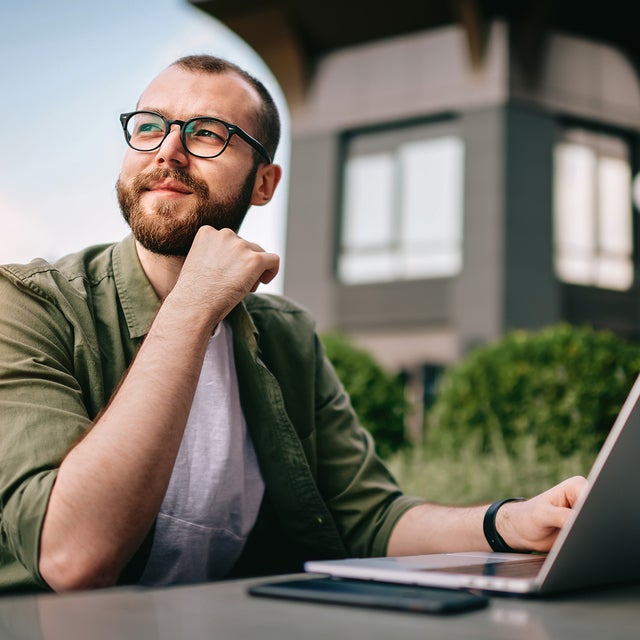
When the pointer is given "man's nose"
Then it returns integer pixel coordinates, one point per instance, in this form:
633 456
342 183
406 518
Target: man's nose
172 150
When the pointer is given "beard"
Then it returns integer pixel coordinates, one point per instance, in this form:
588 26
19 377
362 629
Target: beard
167 231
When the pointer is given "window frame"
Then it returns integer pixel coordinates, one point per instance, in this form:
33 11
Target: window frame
389 137
597 136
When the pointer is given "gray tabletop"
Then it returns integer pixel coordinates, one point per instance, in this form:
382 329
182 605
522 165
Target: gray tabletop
224 610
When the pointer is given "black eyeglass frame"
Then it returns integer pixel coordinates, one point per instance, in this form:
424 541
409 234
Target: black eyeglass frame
232 129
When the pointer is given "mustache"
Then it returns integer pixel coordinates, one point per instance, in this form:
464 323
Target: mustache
143 181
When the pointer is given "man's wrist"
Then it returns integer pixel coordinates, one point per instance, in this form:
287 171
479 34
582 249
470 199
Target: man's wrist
495 540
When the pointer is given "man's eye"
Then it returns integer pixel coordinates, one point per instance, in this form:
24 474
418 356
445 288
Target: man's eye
207 133
148 127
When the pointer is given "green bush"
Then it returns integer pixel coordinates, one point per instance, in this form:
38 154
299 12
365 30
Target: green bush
377 396
560 387
465 475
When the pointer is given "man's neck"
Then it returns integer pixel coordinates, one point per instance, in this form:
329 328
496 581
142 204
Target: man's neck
162 271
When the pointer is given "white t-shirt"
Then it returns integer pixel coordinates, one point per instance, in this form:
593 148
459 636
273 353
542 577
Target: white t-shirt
216 489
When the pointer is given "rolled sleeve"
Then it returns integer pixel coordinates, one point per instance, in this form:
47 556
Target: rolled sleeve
42 414
364 498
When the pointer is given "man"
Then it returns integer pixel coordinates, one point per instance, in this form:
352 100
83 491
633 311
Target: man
162 424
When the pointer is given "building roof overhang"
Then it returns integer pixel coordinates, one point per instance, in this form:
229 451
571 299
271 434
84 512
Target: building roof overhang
291 35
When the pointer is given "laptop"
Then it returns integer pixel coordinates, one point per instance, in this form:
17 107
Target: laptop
600 545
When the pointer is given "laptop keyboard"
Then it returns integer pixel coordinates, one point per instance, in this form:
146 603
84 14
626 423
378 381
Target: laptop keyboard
526 568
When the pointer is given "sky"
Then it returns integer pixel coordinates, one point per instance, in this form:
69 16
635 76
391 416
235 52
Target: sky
70 67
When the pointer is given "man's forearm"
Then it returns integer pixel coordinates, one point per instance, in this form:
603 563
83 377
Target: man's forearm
430 528
111 485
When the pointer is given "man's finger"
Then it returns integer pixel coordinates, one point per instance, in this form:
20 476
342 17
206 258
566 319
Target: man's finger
568 492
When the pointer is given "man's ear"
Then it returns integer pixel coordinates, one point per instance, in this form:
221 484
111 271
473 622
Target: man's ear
267 178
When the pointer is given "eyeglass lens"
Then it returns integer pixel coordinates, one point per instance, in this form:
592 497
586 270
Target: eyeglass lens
203 137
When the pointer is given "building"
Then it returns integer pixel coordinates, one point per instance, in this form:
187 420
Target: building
459 168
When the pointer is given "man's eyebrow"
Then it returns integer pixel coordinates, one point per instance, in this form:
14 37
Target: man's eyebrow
154 109
168 117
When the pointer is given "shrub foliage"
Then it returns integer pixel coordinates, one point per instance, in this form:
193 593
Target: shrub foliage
561 387
376 395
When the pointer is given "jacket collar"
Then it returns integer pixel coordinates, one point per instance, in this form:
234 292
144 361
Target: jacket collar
138 300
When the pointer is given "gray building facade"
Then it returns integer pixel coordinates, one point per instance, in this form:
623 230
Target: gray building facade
509 131
509 260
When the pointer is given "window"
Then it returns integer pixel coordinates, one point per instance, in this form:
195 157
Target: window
592 210
402 205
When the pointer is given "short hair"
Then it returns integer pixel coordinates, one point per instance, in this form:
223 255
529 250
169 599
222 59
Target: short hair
267 119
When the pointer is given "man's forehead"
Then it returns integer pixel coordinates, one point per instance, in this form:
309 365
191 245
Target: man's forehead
178 85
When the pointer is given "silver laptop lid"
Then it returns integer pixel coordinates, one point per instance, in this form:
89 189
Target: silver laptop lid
599 545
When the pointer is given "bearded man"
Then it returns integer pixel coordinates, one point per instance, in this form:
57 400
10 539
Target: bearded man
163 424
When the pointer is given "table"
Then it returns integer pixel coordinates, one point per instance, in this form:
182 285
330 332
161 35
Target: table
223 610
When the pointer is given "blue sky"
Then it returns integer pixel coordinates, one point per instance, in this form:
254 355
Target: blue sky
72 61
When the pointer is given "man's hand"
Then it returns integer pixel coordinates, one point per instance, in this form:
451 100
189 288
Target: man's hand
221 269
533 525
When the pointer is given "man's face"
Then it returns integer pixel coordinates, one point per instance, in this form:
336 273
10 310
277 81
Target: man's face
167 195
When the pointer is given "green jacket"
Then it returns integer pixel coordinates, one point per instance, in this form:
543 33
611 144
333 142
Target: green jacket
69 330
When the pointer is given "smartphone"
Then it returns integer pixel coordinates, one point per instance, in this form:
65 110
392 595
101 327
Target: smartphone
377 595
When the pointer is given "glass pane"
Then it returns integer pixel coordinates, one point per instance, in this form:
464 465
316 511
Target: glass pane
368 202
574 195
614 273
357 268
432 193
433 263
206 137
575 268
615 206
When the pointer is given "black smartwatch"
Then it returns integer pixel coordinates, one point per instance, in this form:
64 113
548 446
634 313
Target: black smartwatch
495 540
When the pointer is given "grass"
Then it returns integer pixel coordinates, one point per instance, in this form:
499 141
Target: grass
461 474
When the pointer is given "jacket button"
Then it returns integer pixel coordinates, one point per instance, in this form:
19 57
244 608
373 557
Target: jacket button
320 520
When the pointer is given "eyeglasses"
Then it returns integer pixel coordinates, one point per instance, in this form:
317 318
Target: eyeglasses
201 137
